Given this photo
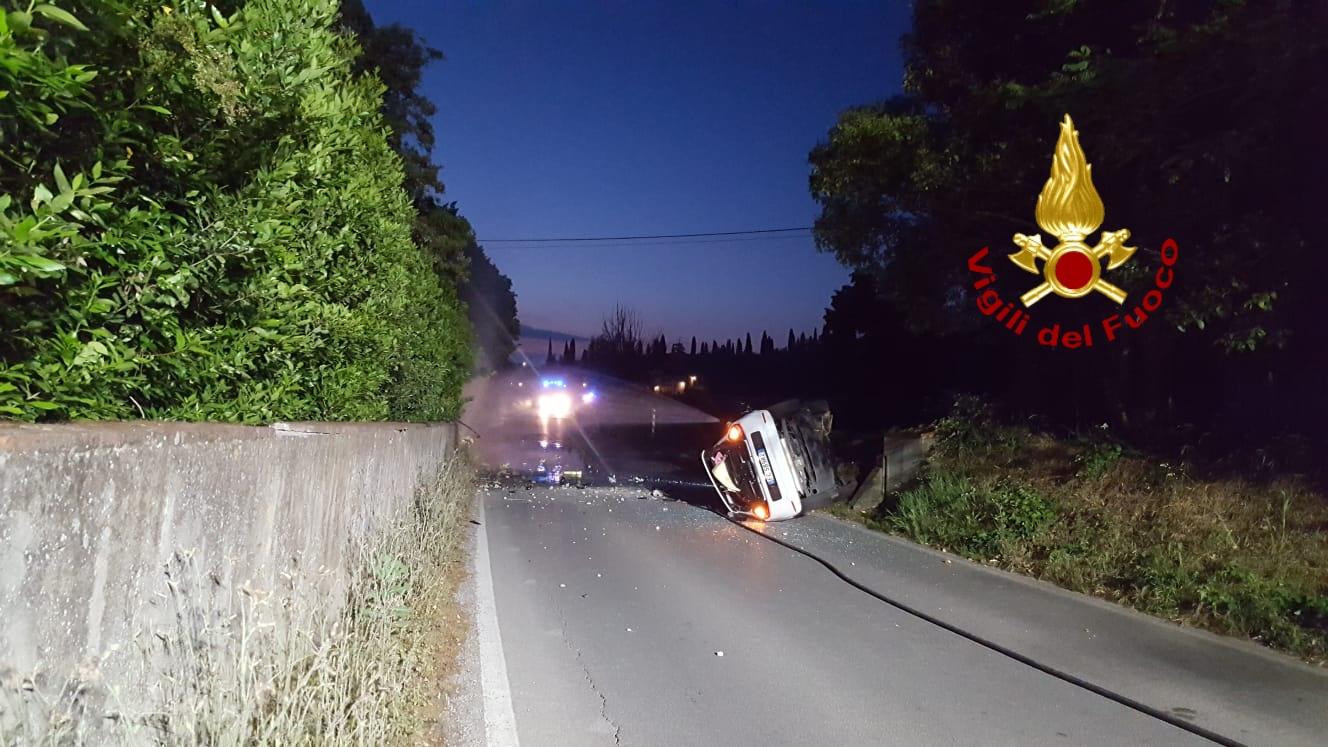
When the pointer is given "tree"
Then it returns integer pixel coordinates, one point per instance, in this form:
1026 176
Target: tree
618 347
908 188
747 349
693 344
491 307
791 341
399 56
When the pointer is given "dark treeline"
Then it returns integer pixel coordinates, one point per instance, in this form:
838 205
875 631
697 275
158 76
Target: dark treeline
650 357
853 365
1199 119
730 374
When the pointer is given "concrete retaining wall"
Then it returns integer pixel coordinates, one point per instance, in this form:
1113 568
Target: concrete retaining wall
902 456
90 514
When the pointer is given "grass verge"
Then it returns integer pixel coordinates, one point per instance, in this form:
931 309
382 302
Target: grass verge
1234 556
249 666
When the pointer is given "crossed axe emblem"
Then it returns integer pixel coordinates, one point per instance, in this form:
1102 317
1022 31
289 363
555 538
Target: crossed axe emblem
1072 269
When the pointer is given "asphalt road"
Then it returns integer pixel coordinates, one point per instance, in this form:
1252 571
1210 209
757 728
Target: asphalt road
606 614
614 611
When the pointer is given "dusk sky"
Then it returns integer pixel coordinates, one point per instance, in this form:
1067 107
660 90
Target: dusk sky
576 119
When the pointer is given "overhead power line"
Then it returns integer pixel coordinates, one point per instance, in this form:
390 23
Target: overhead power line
642 244
577 239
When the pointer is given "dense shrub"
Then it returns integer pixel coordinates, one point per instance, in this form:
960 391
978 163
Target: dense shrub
201 217
980 520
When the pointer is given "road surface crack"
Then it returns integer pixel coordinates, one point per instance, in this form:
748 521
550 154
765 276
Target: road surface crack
603 702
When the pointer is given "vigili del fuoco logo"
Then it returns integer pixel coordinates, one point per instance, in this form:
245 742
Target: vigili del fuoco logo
1070 209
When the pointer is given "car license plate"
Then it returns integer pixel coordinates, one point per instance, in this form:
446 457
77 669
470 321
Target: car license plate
766 471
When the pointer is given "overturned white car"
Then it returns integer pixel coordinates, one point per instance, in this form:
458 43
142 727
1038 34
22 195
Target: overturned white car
775 463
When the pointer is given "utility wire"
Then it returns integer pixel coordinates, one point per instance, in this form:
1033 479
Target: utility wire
654 236
641 244
1064 676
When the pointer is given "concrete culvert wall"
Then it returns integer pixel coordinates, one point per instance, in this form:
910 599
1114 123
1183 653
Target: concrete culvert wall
97 522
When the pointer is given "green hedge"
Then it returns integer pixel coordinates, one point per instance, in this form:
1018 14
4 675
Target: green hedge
201 218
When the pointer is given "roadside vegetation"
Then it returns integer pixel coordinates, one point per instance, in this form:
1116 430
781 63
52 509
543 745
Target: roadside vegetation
217 211
1234 555
246 665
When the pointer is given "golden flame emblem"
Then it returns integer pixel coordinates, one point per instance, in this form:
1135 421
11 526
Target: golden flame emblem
1070 209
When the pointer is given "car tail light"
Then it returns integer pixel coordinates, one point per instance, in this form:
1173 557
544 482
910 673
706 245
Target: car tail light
734 433
761 512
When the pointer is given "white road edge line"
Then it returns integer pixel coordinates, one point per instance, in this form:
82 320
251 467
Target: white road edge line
499 718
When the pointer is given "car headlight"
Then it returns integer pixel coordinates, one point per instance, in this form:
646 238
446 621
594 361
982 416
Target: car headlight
555 405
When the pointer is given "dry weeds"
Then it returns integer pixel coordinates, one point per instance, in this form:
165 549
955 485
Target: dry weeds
1237 556
280 666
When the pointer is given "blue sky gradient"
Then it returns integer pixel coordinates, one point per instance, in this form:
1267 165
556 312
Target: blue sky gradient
604 118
